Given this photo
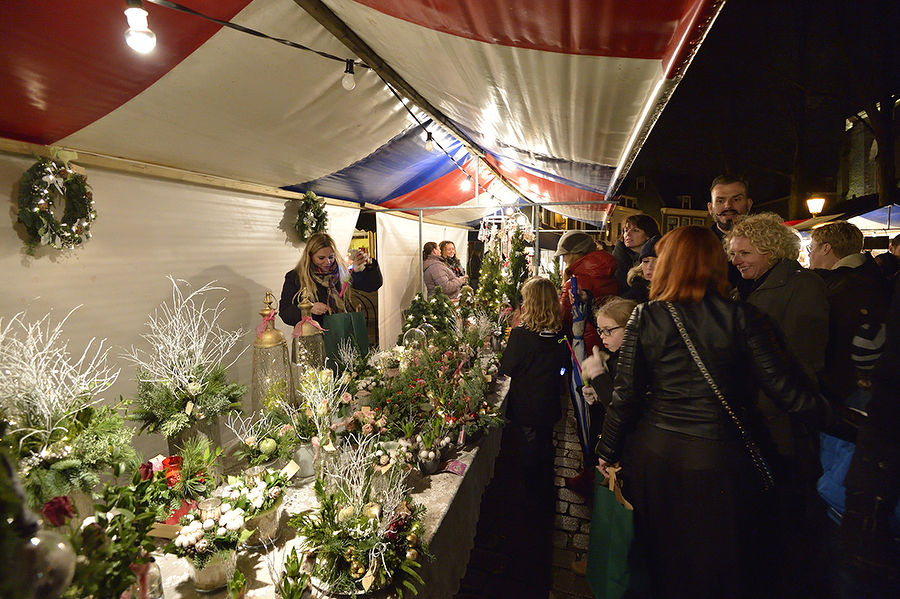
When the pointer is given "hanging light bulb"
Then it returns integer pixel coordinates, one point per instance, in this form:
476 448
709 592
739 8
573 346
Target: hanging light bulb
138 35
466 184
348 81
429 143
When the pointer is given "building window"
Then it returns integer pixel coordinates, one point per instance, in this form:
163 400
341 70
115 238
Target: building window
641 183
684 201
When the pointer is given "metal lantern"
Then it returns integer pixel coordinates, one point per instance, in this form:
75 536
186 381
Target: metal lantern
308 348
271 368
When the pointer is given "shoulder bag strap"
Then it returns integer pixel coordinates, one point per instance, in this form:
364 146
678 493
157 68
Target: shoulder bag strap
758 460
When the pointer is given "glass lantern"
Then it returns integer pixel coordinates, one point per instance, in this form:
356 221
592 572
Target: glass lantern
271 368
308 347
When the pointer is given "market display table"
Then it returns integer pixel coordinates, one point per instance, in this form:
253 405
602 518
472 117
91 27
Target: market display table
453 504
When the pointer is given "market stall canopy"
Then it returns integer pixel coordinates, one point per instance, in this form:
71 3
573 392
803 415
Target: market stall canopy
554 97
883 220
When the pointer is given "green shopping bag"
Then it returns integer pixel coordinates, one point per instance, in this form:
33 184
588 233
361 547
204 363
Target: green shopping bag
347 325
612 567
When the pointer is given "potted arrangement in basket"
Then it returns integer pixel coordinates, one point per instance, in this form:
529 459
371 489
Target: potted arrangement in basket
362 538
208 538
177 482
59 439
258 495
263 439
182 383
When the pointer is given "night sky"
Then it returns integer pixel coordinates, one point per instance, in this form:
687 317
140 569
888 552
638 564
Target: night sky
771 85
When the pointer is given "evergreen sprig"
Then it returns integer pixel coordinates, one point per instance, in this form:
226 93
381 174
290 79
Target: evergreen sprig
311 216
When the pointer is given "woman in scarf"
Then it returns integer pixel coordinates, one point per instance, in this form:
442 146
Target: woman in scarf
330 282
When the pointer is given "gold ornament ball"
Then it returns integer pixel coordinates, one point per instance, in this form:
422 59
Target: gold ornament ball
412 538
412 555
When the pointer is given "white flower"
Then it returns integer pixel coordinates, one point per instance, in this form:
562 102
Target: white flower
189 517
257 502
226 507
221 531
179 541
209 523
235 524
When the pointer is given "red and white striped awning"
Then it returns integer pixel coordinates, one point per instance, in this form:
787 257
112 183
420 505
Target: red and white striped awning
556 95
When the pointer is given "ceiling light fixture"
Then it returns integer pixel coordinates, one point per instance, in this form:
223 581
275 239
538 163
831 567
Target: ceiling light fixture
348 81
138 35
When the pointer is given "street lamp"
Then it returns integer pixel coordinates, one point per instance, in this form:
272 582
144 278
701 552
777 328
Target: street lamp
815 205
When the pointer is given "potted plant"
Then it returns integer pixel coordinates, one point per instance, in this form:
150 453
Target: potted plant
363 537
59 439
208 538
182 383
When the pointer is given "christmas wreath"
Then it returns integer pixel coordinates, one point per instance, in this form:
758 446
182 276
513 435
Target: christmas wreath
311 217
41 188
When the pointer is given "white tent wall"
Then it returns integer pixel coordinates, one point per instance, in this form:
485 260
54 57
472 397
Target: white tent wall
398 254
148 228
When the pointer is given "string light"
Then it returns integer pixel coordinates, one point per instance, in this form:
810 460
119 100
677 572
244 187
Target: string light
429 143
348 81
138 35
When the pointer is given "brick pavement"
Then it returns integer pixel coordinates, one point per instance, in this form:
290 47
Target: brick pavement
521 553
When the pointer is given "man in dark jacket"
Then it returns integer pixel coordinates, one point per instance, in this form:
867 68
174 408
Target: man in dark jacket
857 302
729 201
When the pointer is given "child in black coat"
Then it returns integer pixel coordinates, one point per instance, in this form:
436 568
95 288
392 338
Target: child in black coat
535 359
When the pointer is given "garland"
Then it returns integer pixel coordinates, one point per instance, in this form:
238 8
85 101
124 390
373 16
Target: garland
40 189
311 217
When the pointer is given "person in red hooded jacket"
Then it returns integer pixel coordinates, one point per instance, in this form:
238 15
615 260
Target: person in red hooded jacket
594 271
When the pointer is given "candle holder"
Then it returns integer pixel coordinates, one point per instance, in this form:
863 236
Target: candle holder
253 474
210 509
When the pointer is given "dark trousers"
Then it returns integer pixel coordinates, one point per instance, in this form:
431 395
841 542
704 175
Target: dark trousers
537 462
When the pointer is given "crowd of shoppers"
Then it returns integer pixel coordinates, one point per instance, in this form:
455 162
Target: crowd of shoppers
717 393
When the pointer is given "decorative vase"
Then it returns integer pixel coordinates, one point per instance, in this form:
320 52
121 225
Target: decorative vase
265 527
303 457
216 573
208 427
149 584
430 466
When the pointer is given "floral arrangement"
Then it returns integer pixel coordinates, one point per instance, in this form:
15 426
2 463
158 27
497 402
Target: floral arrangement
183 377
58 439
255 496
200 540
42 187
323 399
264 438
175 483
113 545
311 216
363 536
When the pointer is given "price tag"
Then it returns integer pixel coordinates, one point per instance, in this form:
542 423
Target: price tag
290 470
461 440
189 408
454 466
164 531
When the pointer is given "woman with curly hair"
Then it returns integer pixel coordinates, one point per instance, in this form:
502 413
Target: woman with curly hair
765 252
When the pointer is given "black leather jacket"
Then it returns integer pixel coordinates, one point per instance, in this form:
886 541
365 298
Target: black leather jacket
658 381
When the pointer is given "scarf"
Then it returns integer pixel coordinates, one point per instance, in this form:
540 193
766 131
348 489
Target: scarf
331 282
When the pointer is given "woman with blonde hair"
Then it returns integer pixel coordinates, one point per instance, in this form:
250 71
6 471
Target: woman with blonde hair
765 252
325 274
535 360
689 472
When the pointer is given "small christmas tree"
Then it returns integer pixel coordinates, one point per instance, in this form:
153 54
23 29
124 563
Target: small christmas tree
417 314
518 268
443 314
489 297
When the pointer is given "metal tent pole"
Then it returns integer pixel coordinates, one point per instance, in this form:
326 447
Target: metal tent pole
421 258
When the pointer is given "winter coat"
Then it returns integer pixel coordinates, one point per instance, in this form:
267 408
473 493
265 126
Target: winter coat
594 272
625 260
438 274
657 380
368 280
534 361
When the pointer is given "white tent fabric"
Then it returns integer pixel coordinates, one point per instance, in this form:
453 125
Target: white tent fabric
398 255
